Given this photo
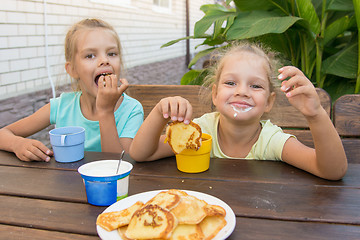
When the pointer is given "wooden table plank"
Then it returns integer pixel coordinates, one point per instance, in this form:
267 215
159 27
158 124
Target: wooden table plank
49 215
272 201
249 199
42 183
220 169
255 229
78 218
14 232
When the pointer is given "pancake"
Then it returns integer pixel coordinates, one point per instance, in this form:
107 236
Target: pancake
151 222
113 220
190 210
181 136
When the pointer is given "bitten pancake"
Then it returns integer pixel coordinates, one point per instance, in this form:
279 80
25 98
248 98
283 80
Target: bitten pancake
150 222
113 220
212 225
187 232
190 210
182 136
165 200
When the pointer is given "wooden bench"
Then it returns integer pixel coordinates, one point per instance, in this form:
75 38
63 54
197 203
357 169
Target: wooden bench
346 116
282 114
150 95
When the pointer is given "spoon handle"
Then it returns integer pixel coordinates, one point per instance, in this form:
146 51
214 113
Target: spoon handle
121 157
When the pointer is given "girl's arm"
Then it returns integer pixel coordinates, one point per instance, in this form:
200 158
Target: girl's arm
106 101
148 143
328 159
13 137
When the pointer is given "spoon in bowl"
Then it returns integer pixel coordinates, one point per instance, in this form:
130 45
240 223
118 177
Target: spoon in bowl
121 157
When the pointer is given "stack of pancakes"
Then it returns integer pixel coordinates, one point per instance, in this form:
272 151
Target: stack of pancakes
171 214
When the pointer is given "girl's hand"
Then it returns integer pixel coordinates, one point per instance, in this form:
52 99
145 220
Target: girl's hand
109 92
31 150
178 108
300 92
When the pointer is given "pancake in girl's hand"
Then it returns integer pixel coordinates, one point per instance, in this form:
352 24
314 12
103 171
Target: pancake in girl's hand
182 136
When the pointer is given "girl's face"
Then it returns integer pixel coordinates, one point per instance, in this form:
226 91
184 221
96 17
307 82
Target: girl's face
243 89
97 53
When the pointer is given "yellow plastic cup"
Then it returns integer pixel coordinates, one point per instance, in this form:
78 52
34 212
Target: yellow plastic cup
192 161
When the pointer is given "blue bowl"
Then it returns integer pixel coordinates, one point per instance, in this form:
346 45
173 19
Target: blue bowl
68 143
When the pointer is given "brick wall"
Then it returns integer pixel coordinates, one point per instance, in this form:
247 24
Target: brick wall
25 28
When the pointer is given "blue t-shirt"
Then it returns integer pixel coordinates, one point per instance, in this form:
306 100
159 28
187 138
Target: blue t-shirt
65 111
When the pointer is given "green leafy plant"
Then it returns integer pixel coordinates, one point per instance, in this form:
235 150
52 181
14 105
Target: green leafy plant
318 36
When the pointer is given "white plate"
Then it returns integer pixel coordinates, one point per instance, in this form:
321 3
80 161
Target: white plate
145 196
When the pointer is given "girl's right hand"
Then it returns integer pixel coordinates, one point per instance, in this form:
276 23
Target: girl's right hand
178 108
31 150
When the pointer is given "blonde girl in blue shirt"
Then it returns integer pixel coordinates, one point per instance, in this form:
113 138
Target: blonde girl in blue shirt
110 117
242 92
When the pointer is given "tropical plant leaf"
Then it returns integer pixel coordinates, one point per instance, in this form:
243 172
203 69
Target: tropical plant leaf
337 27
343 63
200 55
250 5
340 5
259 23
210 17
190 76
176 41
217 28
307 11
212 7
213 42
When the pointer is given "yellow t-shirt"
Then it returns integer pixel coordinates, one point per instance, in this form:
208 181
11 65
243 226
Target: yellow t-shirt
269 146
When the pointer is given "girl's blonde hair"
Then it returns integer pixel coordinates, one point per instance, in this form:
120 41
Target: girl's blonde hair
73 35
217 60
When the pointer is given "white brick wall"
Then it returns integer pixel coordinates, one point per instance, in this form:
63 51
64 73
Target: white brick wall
141 29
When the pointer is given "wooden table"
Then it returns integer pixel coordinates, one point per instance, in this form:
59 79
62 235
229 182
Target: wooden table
271 200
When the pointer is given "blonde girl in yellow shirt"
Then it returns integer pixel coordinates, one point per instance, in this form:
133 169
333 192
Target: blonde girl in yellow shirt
242 92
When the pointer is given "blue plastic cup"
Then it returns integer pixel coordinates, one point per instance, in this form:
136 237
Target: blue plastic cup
103 185
68 143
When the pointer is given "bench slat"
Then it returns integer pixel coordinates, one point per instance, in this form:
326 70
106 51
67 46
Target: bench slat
284 115
150 95
347 115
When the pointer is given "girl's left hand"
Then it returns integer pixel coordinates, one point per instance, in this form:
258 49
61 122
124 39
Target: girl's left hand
109 92
300 92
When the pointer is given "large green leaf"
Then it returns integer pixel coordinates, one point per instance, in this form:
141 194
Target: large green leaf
212 7
251 5
340 5
176 41
194 77
259 23
343 64
190 77
210 17
337 27
200 55
307 11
